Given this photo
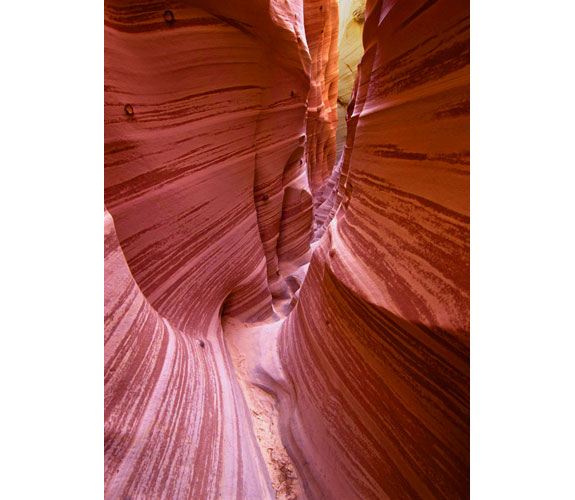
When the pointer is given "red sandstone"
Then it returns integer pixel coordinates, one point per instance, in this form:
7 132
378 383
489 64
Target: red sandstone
276 325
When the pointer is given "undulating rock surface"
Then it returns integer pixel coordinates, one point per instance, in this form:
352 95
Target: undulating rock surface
377 350
227 376
209 178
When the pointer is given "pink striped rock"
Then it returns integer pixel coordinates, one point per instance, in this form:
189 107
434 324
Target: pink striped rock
220 187
208 190
378 346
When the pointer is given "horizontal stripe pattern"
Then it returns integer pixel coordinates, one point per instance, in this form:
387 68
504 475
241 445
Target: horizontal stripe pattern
377 349
207 192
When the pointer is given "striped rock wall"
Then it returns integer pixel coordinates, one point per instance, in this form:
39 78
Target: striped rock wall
209 178
377 349
219 150
175 419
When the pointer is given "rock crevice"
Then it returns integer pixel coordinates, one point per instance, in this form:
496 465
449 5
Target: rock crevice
279 325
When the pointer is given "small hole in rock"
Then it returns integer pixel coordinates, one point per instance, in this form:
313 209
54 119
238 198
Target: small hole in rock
292 93
129 109
202 343
169 16
265 197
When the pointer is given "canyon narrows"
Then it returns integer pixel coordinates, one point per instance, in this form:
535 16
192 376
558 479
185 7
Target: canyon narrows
279 324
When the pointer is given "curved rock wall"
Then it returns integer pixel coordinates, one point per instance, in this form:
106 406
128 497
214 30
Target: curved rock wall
321 23
219 151
350 52
377 350
176 424
208 191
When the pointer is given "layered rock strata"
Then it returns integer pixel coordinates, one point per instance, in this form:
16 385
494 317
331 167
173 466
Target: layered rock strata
227 375
210 168
377 350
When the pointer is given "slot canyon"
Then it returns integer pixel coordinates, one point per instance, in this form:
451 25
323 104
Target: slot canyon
286 293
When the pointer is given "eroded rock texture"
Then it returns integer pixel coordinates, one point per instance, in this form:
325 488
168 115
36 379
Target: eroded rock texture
350 51
209 178
220 147
377 349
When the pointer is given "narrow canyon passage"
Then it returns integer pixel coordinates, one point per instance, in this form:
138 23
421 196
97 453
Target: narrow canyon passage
285 316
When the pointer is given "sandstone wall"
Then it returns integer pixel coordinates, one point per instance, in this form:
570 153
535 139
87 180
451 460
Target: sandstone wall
377 350
350 52
209 180
219 167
